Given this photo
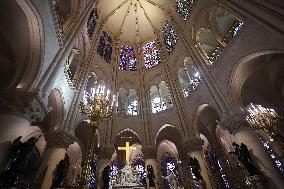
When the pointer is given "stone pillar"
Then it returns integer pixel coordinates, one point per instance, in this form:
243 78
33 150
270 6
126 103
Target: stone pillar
243 133
57 144
18 111
104 157
195 150
150 158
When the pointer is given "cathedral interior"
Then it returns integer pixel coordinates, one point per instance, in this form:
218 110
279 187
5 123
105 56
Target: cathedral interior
164 94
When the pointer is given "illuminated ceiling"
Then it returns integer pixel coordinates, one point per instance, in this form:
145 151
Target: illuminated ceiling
133 22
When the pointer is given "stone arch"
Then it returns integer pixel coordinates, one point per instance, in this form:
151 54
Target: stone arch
167 149
167 146
75 60
156 80
67 13
22 56
205 122
170 133
126 135
220 18
56 105
131 132
202 19
248 71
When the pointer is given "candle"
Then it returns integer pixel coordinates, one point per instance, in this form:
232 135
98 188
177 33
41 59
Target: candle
108 92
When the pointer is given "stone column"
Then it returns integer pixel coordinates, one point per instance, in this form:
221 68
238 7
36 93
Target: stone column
195 150
150 158
144 100
57 144
104 157
174 88
243 133
18 111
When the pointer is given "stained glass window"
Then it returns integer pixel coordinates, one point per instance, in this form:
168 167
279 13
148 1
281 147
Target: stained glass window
189 79
170 36
127 58
272 155
183 7
72 65
169 165
160 97
151 55
215 166
92 22
132 108
105 47
139 165
121 101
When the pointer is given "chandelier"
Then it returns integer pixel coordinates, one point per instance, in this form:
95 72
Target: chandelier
265 120
98 106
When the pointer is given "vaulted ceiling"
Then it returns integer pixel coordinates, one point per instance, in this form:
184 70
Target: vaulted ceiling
133 22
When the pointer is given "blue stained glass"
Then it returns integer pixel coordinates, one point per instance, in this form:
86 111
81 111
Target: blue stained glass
92 22
127 58
101 46
269 151
183 7
108 53
169 164
151 55
104 48
139 165
170 37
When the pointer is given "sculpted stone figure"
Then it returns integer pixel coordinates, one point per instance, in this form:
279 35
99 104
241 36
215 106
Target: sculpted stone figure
244 157
60 172
151 176
18 161
106 177
195 168
128 176
171 179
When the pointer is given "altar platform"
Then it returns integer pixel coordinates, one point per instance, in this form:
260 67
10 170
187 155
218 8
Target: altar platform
132 187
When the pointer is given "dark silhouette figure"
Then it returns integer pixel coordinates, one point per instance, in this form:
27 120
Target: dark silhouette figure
28 160
106 176
60 173
244 157
19 163
195 168
151 176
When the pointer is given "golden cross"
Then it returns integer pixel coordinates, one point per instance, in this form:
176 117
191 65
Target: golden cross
127 148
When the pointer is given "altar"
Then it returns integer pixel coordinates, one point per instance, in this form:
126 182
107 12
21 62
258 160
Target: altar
132 187
127 177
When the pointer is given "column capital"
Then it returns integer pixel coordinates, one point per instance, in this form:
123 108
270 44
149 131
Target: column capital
59 139
149 152
235 122
194 144
23 103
